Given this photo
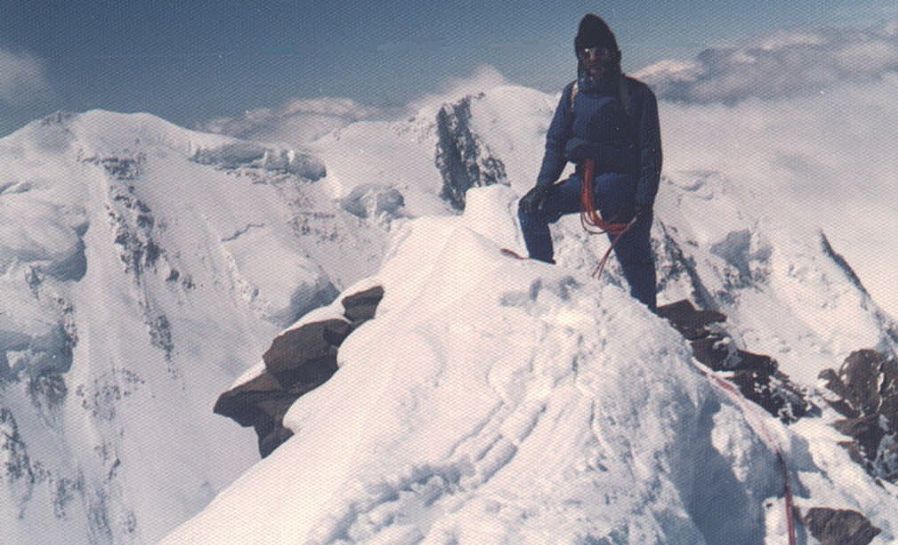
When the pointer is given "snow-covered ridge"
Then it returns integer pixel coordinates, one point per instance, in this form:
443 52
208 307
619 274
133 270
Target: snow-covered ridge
494 399
785 287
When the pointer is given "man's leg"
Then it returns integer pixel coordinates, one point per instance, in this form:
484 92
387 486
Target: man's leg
634 251
563 198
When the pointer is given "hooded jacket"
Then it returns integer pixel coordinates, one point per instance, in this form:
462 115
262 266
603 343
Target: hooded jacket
639 153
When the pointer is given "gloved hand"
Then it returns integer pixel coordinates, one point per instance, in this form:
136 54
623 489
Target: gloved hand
576 149
533 200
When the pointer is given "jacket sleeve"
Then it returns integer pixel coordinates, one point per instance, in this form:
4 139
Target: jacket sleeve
556 138
649 151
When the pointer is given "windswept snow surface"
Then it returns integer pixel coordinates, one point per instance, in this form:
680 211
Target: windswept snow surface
493 400
142 266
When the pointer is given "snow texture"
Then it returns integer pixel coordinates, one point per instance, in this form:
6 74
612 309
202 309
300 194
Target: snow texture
526 403
144 266
141 266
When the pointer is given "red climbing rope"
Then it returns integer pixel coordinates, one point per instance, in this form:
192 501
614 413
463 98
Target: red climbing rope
591 220
773 444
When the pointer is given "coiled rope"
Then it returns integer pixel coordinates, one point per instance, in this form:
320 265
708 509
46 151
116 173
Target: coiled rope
592 221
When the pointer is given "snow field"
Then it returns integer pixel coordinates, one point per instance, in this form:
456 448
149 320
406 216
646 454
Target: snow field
137 283
498 401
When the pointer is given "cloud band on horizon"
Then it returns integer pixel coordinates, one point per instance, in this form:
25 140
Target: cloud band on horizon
782 64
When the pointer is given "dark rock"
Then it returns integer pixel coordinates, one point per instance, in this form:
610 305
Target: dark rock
867 384
861 375
361 306
124 168
48 390
854 452
373 201
866 432
297 362
833 382
888 392
775 395
462 159
843 408
756 362
271 438
262 403
842 263
839 526
689 321
713 350
251 402
306 353
756 375
888 462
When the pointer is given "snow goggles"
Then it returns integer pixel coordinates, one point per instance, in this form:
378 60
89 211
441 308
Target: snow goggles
595 53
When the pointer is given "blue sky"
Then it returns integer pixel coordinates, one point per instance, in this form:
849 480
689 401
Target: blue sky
190 61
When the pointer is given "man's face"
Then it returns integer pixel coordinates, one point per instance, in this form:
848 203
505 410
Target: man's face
596 60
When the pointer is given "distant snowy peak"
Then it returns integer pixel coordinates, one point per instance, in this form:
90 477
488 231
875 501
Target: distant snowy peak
107 131
100 135
141 266
297 122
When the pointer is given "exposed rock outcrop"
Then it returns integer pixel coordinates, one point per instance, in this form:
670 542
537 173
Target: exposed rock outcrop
756 375
463 159
374 201
251 155
298 361
867 388
839 526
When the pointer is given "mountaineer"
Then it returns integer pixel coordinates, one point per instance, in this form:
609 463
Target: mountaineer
606 123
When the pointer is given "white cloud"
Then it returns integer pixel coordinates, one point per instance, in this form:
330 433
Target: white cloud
483 78
22 77
782 64
301 121
824 159
296 123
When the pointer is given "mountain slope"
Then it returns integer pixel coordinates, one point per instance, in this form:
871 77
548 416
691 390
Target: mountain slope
496 400
783 284
141 266
145 266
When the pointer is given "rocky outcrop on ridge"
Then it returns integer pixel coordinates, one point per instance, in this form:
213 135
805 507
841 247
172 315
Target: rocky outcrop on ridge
463 158
757 376
839 526
866 386
298 361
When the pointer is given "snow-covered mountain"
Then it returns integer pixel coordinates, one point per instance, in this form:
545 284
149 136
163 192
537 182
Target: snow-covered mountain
146 267
142 266
492 400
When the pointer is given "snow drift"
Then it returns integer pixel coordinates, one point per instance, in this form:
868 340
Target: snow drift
141 266
493 400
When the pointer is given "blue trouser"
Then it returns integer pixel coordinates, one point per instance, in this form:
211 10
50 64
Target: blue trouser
614 196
